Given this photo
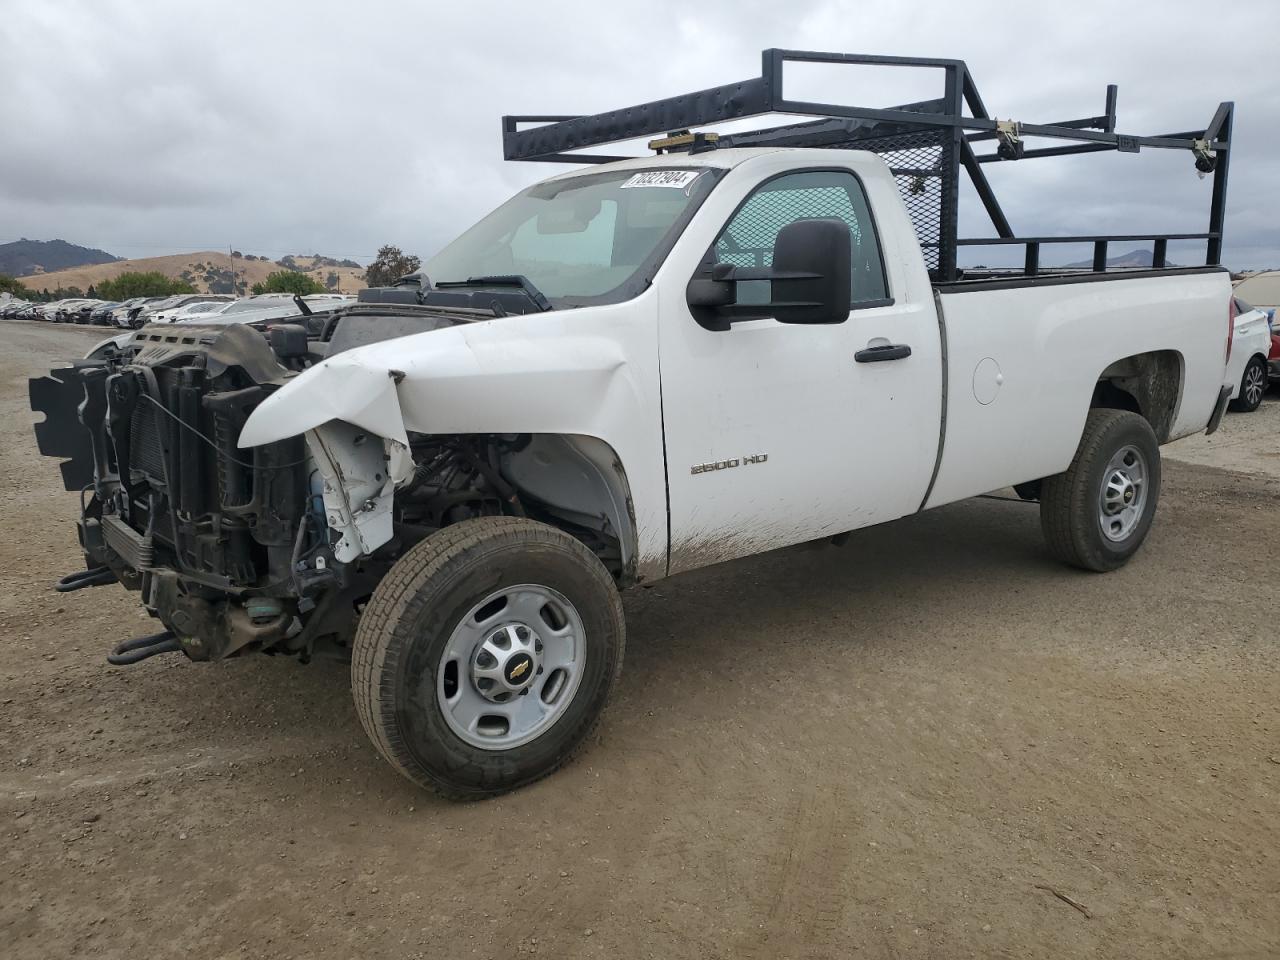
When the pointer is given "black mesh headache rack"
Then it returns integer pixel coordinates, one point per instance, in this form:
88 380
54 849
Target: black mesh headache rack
926 144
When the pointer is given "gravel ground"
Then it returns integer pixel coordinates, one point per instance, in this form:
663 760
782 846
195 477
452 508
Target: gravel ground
932 742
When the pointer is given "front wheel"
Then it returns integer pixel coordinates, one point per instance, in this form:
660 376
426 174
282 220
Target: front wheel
486 655
1252 386
1096 514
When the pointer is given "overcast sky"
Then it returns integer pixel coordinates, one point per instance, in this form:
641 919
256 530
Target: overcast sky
276 127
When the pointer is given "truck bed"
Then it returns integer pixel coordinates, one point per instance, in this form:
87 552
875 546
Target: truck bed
1023 355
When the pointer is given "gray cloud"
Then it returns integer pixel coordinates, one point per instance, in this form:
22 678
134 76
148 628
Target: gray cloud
334 127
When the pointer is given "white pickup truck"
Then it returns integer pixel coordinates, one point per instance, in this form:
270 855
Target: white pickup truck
622 373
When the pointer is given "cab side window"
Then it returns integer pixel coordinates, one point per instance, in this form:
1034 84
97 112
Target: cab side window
749 237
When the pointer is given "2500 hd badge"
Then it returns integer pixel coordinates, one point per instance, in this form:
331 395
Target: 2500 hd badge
728 464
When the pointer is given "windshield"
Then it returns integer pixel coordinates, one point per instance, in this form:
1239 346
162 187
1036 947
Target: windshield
588 239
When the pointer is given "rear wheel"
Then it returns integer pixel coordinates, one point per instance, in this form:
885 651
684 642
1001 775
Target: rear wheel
1096 515
486 655
1253 384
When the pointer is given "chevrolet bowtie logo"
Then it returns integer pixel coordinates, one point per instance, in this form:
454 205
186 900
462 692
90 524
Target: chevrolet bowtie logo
518 671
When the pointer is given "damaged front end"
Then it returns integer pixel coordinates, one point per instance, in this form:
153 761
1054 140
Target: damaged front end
228 547
250 525
255 482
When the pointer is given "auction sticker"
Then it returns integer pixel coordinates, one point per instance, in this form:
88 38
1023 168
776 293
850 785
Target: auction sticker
663 178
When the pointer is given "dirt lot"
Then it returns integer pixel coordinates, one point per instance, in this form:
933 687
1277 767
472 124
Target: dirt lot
906 747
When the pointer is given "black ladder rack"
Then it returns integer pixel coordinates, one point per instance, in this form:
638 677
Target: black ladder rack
925 144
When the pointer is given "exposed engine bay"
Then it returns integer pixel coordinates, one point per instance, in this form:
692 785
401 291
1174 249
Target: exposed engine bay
233 549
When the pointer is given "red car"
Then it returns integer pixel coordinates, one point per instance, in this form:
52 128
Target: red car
1273 358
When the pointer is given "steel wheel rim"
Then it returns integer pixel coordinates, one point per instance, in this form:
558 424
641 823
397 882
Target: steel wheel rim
1254 384
1124 493
511 667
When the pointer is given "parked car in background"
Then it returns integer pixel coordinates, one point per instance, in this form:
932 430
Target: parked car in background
197 311
100 316
272 305
1247 360
141 315
167 311
249 310
49 311
70 312
83 311
127 315
59 314
1273 356
62 311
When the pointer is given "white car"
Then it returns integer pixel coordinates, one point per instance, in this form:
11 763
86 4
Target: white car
49 311
200 310
1247 361
66 309
269 307
169 310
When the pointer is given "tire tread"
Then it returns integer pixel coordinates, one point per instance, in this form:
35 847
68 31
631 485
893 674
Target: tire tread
379 643
1064 506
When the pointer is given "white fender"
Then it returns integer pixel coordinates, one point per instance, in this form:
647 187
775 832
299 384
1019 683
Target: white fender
340 388
589 372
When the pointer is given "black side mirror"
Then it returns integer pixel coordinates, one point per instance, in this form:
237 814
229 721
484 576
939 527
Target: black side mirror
813 272
810 280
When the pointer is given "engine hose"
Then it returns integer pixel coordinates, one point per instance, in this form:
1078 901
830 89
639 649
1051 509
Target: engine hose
96 577
140 648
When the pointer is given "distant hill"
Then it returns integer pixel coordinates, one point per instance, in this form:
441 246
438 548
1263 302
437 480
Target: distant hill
1134 258
23 258
211 271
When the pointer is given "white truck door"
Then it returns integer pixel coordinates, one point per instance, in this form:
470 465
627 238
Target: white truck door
782 433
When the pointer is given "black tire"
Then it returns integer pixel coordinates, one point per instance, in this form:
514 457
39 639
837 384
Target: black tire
405 629
1070 501
1256 367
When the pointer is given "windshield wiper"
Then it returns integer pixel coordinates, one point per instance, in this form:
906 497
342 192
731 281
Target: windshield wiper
502 280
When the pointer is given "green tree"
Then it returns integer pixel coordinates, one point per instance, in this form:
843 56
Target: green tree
389 266
152 283
12 285
92 293
286 281
332 280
